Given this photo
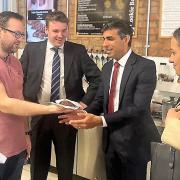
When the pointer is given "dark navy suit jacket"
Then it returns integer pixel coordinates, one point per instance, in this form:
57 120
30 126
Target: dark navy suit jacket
77 64
130 129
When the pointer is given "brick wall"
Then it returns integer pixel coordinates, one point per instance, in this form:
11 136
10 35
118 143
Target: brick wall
158 46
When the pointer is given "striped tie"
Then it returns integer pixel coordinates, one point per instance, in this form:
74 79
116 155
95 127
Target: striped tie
55 82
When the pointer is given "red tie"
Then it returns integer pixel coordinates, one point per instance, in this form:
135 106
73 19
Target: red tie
113 88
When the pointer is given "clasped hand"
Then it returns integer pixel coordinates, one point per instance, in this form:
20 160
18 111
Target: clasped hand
80 119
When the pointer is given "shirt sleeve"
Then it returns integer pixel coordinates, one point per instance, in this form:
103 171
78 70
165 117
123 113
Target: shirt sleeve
104 121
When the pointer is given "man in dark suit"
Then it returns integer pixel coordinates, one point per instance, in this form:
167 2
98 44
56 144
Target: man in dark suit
124 96
74 63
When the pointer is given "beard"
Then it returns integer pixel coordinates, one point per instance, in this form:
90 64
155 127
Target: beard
9 48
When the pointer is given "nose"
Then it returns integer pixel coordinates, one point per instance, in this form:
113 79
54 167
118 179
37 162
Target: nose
60 34
105 43
19 40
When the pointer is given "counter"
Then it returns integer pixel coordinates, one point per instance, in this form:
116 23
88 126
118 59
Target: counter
89 158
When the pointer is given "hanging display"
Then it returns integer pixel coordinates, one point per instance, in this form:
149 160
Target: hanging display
36 13
170 17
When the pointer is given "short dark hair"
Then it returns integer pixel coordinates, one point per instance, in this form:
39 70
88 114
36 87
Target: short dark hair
176 35
7 15
56 16
122 26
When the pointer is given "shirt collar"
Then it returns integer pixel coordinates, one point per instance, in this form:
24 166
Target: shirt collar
49 45
124 59
5 58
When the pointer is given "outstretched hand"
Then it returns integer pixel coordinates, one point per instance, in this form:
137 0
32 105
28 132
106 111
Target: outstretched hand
56 109
70 115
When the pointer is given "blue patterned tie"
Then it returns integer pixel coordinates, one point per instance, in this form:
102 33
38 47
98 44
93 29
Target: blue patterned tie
55 81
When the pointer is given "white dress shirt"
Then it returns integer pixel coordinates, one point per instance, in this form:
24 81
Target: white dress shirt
122 63
45 87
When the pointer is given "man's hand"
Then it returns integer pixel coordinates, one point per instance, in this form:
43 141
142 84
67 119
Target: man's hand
81 120
68 115
82 105
53 108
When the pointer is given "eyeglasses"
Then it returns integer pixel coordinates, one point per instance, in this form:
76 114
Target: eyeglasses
17 35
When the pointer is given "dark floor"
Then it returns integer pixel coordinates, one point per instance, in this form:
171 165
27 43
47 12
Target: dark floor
75 177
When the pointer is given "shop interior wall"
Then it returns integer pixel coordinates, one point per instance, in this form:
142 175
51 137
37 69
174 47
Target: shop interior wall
158 46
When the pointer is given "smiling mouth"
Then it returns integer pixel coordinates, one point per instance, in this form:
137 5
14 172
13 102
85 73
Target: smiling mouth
108 51
16 45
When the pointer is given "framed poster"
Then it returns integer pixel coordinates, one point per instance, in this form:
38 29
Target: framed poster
36 13
91 15
170 17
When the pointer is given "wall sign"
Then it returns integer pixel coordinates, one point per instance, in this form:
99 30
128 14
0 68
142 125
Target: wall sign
91 15
170 17
36 13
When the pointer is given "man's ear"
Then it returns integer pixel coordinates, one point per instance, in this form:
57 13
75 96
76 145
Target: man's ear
46 30
127 39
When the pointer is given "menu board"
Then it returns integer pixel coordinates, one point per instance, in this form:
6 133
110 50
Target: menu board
36 13
170 17
91 15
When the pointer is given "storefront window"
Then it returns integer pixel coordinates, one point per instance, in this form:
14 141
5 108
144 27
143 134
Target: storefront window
8 5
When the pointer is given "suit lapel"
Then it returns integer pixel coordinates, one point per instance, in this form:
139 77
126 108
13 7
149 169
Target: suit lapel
107 81
41 60
127 71
68 59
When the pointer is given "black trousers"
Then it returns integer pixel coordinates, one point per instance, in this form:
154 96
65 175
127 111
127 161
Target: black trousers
46 131
120 168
